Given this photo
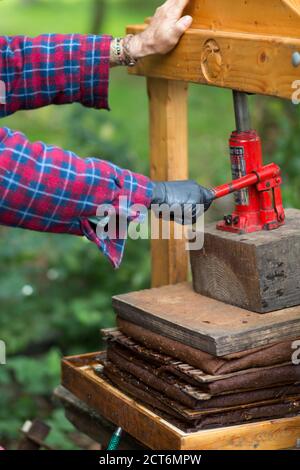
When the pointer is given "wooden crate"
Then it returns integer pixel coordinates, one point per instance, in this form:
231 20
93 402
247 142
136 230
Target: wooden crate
155 432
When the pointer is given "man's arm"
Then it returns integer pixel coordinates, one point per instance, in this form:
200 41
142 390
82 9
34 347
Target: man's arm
68 68
48 189
54 69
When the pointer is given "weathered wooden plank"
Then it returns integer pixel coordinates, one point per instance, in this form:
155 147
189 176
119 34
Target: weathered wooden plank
258 271
33 438
89 422
180 313
169 161
158 434
247 62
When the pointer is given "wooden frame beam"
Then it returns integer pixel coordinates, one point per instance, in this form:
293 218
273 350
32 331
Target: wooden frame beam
247 62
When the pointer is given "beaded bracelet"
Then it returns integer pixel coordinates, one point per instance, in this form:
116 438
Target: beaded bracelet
119 51
129 59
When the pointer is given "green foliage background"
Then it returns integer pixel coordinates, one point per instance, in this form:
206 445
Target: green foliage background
69 283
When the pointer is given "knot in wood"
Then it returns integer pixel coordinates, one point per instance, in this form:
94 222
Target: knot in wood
211 60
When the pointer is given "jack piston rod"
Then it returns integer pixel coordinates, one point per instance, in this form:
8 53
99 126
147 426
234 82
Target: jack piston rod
241 111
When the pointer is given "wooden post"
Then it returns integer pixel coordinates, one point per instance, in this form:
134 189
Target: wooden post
169 161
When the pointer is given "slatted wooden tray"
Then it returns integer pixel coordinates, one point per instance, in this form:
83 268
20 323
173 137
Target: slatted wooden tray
155 432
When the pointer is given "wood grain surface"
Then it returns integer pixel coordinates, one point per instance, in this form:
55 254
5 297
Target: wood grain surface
180 313
168 161
258 271
247 46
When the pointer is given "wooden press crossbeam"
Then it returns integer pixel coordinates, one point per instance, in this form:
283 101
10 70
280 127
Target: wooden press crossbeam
236 44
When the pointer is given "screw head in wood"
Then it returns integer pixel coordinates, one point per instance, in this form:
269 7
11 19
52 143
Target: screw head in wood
296 59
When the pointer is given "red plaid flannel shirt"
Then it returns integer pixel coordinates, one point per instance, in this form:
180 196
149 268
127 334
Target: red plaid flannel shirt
43 187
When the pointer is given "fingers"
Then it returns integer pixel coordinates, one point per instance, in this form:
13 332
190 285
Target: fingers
166 27
183 24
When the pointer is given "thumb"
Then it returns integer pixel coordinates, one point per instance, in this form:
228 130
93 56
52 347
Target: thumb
184 23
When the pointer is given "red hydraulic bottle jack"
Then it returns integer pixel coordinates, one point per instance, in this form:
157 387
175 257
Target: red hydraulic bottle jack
256 187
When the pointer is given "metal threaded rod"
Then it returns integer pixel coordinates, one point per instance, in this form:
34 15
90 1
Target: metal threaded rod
241 111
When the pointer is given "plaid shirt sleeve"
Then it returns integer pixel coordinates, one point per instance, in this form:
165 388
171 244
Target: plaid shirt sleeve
54 69
42 187
47 189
